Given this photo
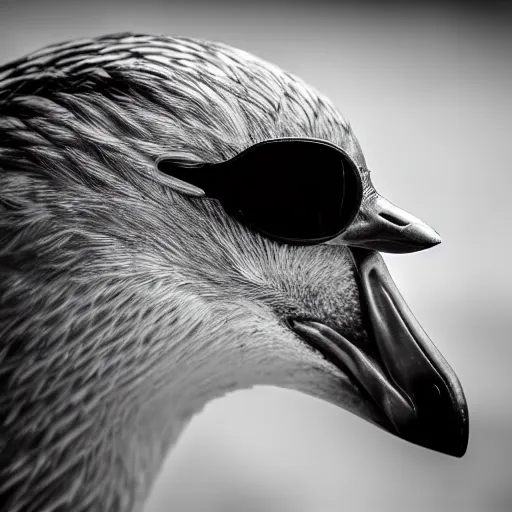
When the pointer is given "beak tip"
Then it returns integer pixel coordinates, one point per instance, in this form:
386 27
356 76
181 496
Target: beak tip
458 449
442 440
436 239
422 236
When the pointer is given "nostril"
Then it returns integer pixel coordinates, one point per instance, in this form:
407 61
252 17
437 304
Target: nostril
394 220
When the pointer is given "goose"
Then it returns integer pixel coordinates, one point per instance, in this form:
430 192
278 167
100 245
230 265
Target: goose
129 300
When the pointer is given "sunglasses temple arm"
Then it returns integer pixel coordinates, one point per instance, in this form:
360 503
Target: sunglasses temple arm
198 180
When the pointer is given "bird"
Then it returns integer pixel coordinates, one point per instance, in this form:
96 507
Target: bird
128 303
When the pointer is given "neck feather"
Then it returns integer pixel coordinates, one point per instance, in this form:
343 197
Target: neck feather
95 432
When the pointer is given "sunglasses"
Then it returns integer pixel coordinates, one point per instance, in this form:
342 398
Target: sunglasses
293 190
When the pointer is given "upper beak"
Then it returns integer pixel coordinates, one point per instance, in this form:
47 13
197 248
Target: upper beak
382 226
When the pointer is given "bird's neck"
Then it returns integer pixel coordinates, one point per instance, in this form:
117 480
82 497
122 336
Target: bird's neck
141 438
99 416
102 442
192 373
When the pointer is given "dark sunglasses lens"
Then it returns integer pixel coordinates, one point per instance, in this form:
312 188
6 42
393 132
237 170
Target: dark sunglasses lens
294 192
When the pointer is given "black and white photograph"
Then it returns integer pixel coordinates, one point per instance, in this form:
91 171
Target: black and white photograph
254 256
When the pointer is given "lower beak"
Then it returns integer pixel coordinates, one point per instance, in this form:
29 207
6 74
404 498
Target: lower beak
440 420
411 383
382 226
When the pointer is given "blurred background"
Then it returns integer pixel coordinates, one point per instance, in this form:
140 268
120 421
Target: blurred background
428 92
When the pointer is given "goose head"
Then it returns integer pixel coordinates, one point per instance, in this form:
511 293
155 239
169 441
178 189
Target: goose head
127 305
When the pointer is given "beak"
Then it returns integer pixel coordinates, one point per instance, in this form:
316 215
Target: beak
418 394
382 226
